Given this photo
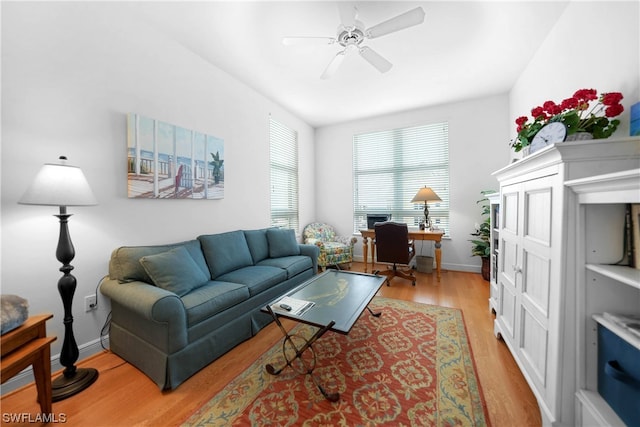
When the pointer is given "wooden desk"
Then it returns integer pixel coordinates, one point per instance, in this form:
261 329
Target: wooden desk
436 236
27 345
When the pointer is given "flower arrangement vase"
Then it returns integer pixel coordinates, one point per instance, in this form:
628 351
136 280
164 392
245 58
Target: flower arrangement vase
579 136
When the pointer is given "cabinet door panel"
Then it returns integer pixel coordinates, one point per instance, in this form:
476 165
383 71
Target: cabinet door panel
509 261
537 220
533 345
508 309
536 281
510 210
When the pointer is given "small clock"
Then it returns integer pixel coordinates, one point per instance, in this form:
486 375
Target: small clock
550 133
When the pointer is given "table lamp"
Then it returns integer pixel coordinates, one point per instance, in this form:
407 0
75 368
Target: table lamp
64 185
426 195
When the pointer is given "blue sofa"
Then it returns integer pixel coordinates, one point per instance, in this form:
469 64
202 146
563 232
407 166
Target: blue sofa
178 307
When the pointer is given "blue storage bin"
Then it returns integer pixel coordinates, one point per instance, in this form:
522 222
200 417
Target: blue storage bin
619 375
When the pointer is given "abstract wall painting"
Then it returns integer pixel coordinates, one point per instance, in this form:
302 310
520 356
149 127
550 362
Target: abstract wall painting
166 161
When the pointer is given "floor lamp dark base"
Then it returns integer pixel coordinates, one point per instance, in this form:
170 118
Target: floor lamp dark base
63 387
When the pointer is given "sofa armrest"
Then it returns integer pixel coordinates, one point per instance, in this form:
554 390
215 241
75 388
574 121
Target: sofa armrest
313 252
151 312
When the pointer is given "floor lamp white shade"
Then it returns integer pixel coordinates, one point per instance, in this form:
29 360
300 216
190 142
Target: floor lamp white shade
59 184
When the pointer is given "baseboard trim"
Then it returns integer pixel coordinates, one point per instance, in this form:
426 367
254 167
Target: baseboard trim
25 377
445 266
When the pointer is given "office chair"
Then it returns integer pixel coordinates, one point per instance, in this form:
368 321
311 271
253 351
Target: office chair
394 247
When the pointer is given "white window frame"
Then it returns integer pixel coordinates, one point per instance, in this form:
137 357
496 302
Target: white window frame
390 166
283 161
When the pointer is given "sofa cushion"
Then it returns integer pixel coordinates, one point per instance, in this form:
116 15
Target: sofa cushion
174 270
256 277
282 242
293 265
225 252
258 244
125 266
212 298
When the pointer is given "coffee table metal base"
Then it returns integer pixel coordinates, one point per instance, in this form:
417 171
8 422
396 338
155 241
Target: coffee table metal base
307 367
339 299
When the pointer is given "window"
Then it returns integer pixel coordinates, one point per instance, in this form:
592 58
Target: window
389 167
284 175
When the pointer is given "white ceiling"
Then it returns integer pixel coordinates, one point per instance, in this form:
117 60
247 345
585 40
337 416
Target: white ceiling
463 50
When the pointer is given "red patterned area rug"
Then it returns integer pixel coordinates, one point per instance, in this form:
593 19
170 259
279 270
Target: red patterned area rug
410 367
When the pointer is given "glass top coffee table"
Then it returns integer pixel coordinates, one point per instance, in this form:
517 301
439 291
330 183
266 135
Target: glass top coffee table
331 301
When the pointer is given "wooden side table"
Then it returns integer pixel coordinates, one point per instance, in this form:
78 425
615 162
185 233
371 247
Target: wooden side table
29 345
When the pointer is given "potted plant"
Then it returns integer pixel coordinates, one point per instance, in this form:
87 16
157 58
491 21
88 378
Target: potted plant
482 244
576 113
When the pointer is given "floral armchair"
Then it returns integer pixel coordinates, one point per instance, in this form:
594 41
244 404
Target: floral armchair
334 250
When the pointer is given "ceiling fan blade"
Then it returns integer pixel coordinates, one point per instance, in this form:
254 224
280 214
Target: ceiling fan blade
333 66
306 41
400 22
348 14
374 58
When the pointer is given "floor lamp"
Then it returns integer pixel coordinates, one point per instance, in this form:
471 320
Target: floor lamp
64 185
426 195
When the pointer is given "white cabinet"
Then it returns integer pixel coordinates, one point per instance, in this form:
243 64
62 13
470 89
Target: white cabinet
605 283
536 281
494 240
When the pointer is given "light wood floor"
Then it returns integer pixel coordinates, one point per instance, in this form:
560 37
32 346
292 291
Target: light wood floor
123 396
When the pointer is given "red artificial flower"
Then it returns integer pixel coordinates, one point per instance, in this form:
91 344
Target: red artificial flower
537 112
552 108
520 121
613 110
582 106
586 94
569 103
611 98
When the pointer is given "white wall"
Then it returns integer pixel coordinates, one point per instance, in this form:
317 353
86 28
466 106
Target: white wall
594 45
478 145
70 74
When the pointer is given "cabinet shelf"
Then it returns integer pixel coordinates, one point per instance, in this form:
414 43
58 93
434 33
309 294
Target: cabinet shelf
618 330
621 273
599 410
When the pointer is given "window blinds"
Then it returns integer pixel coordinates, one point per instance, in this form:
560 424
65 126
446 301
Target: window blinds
389 167
284 175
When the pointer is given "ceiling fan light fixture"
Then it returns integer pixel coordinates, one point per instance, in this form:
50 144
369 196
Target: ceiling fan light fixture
351 33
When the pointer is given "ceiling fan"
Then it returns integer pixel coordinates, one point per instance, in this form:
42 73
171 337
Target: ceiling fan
352 33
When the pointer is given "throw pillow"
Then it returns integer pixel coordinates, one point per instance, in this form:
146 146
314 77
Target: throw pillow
282 242
258 244
225 252
174 270
15 311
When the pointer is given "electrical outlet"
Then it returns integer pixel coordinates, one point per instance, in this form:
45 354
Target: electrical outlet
90 303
